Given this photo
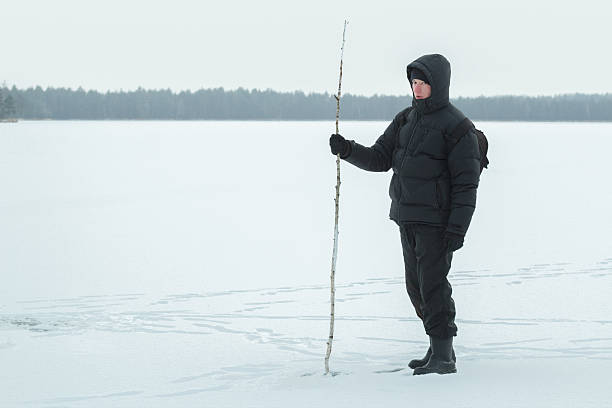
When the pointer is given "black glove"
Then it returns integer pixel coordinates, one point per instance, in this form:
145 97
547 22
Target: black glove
453 241
339 145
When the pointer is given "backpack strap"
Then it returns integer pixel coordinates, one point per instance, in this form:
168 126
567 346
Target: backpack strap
403 118
457 133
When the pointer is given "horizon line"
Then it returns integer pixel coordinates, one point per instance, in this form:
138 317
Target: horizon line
307 93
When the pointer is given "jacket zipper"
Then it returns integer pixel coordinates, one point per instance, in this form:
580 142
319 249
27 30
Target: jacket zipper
438 194
412 132
398 179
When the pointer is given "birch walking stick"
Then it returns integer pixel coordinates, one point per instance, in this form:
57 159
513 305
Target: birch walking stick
337 200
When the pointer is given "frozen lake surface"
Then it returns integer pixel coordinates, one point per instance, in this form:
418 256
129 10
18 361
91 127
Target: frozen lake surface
187 264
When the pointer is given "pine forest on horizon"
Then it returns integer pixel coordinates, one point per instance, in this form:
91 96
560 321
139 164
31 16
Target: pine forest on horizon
242 104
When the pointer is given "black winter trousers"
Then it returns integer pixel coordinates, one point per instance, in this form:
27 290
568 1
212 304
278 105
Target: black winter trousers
427 262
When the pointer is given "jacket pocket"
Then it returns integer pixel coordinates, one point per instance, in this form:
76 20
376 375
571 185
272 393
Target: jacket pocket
394 188
417 192
442 195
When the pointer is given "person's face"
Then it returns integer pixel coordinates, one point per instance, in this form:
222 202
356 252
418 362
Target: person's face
420 89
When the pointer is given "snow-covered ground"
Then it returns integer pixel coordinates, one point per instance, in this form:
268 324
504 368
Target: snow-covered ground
165 264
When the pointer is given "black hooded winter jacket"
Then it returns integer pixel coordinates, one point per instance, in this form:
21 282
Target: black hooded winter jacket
434 182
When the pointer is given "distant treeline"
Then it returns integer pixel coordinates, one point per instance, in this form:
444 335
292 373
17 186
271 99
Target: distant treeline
7 105
243 104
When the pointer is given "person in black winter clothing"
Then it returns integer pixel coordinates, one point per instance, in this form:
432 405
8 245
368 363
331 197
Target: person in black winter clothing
433 197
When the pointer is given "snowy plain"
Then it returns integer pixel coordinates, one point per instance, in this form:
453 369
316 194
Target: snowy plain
167 264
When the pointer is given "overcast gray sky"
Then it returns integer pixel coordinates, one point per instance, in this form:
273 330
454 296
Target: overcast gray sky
510 47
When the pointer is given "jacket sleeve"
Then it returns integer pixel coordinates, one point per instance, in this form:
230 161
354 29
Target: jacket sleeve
379 156
464 168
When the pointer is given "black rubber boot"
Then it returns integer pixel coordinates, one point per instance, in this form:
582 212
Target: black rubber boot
441 360
420 363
